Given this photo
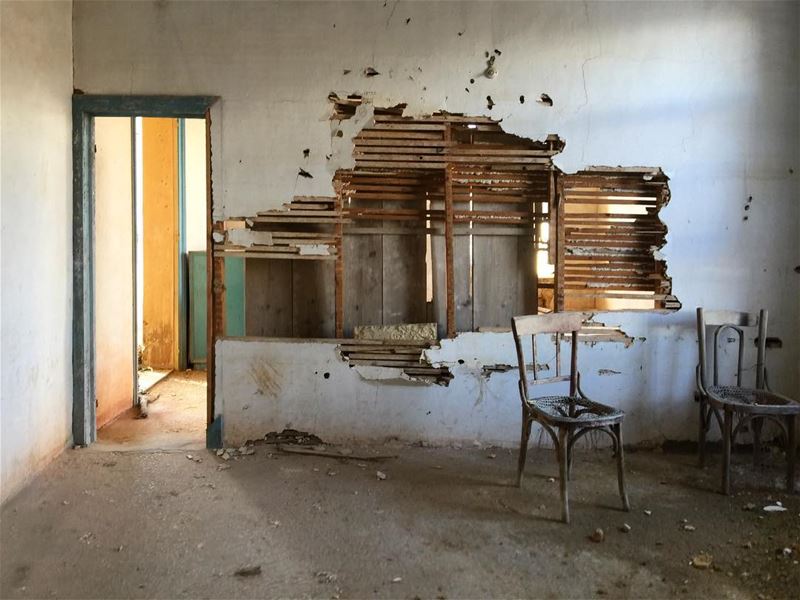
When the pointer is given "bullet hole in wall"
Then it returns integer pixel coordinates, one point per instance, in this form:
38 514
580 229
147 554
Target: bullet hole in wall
303 173
306 152
522 99
546 100
489 102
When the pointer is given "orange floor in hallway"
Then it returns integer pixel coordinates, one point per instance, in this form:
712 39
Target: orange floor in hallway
176 417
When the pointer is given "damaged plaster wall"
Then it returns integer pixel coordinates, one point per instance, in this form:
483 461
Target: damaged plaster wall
36 192
708 91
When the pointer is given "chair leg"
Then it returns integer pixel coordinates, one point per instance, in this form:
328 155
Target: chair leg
727 429
626 505
757 424
570 450
701 438
791 451
563 439
523 445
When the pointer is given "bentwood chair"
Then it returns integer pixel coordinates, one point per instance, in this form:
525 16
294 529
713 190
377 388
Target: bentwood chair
735 407
565 418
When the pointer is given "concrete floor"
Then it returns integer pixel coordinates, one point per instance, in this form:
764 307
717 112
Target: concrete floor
445 523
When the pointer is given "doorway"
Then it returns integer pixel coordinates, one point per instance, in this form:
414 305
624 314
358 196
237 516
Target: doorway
150 223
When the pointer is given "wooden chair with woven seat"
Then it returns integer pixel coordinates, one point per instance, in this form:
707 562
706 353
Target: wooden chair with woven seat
565 418
734 406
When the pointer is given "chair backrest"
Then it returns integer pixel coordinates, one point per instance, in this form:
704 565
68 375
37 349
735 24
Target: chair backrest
552 323
728 320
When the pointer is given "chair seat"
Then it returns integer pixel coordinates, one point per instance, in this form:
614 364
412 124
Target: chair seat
586 412
752 401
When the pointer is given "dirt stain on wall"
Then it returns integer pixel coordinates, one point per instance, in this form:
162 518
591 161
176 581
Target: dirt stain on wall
266 378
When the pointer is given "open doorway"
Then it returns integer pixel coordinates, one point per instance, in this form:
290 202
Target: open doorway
150 303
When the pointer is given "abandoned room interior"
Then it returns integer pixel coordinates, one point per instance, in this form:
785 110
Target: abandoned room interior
390 299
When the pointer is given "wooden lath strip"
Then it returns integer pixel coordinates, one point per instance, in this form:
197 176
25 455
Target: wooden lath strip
610 253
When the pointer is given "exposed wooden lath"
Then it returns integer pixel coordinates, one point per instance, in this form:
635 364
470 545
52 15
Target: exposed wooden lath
610 231
442 219
305 229
406 355
452 175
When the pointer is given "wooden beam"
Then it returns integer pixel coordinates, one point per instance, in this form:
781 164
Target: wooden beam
215 285
449 223
557 228
339 274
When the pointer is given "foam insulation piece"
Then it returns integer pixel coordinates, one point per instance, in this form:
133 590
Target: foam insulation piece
404 331
248 237
314 249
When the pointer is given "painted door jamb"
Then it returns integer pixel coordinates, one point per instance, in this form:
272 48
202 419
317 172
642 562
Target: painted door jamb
84 109
181 250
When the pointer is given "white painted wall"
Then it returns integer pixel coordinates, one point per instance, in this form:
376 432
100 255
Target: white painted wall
708 91
36 225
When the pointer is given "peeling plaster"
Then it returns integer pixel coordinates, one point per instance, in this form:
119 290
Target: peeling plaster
389 375
590 109
608 372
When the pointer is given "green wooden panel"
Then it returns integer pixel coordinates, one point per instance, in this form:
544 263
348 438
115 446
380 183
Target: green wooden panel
234 303
234 296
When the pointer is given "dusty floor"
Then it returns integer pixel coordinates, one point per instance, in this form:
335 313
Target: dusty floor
445 523
176 419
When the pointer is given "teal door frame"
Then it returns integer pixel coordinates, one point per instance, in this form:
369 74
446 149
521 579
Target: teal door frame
183 301
84 109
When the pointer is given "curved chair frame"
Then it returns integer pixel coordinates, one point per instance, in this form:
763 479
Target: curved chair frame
725 404
566 419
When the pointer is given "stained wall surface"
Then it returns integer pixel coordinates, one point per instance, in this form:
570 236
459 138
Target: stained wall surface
707 91
36 231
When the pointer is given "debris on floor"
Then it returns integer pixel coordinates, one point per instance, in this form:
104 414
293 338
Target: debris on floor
347 455
325 576
249 571
290 436
702 561
598 535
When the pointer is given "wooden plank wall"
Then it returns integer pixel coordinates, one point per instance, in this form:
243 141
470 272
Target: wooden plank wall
391 201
